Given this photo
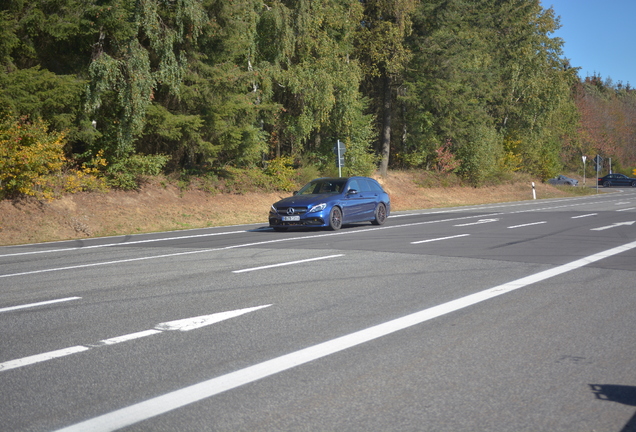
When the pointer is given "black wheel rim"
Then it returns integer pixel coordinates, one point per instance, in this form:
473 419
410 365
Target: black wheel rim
381 213
336 218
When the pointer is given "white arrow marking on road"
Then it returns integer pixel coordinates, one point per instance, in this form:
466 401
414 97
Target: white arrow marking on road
480 221
204 320
181 325
613 226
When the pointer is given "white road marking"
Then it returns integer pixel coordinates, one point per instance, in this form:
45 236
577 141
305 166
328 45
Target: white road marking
237 246
25 361
617 224
170 401
528 224
480 221
627 209
128 243
205 320
287 263
438 239
365 230
585 215
126 338
43 303
179 325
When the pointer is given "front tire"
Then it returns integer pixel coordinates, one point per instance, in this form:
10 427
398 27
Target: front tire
335 219
634 184
380 215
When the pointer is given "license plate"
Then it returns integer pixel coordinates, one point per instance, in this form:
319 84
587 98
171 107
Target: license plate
291 218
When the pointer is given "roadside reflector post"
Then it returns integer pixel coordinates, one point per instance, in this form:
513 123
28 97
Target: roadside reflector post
534 192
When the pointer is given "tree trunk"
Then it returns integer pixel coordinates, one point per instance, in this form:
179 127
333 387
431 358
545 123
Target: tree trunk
385 150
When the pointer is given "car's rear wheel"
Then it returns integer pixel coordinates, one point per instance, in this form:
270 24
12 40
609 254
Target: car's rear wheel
380 215
335 219
606 184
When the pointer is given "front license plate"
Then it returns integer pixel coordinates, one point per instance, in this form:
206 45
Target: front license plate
291 218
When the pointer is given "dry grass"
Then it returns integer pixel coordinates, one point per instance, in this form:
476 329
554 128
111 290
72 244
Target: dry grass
161 207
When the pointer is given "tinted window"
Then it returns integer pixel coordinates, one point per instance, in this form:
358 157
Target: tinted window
353 184
321 186
375 187
366 185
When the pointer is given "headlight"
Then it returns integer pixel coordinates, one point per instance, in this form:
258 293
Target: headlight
317 208
273 209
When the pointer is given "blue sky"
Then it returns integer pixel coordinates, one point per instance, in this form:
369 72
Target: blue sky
600 36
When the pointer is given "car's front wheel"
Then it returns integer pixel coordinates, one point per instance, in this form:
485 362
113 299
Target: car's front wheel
335 219
634 184
380 215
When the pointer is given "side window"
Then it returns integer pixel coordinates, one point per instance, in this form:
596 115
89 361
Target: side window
366 185
353 184
375 187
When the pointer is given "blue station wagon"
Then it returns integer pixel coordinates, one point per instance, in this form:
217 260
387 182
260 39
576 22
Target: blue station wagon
331 203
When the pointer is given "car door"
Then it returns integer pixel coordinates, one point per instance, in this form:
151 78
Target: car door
370 198
353 203
622 180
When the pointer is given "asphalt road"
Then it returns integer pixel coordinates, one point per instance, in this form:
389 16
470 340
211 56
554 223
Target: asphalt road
505 317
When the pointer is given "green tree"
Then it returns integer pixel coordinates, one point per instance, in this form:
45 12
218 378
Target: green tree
384 55
139 49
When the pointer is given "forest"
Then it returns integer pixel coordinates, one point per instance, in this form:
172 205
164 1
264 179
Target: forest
95 93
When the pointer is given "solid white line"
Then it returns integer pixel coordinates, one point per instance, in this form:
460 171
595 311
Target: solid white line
159 405
25 361
441 238
585 215
287 263
525 225
122 244
627 209
48 302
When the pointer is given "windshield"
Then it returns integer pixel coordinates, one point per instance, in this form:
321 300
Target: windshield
323 186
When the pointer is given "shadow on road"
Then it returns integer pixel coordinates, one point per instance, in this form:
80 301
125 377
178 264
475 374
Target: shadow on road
625 395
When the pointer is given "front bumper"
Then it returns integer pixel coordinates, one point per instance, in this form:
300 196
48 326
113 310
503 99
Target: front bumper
314 219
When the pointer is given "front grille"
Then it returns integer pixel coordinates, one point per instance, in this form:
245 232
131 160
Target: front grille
297 211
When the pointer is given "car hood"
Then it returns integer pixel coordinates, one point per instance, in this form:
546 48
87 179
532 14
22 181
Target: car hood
305 200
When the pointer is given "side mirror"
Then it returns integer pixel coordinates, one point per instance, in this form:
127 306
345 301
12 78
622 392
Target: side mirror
352 192
295 193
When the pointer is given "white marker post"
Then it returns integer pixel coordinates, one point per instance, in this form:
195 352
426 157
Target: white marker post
534 192
584 159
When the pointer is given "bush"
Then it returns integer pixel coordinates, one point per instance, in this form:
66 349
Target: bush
126 173
30 158
282 173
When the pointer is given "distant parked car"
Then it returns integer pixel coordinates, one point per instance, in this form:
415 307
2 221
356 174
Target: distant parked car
563 180
616 180
332 202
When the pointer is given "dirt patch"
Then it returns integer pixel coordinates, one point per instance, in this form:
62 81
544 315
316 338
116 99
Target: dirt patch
166 208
